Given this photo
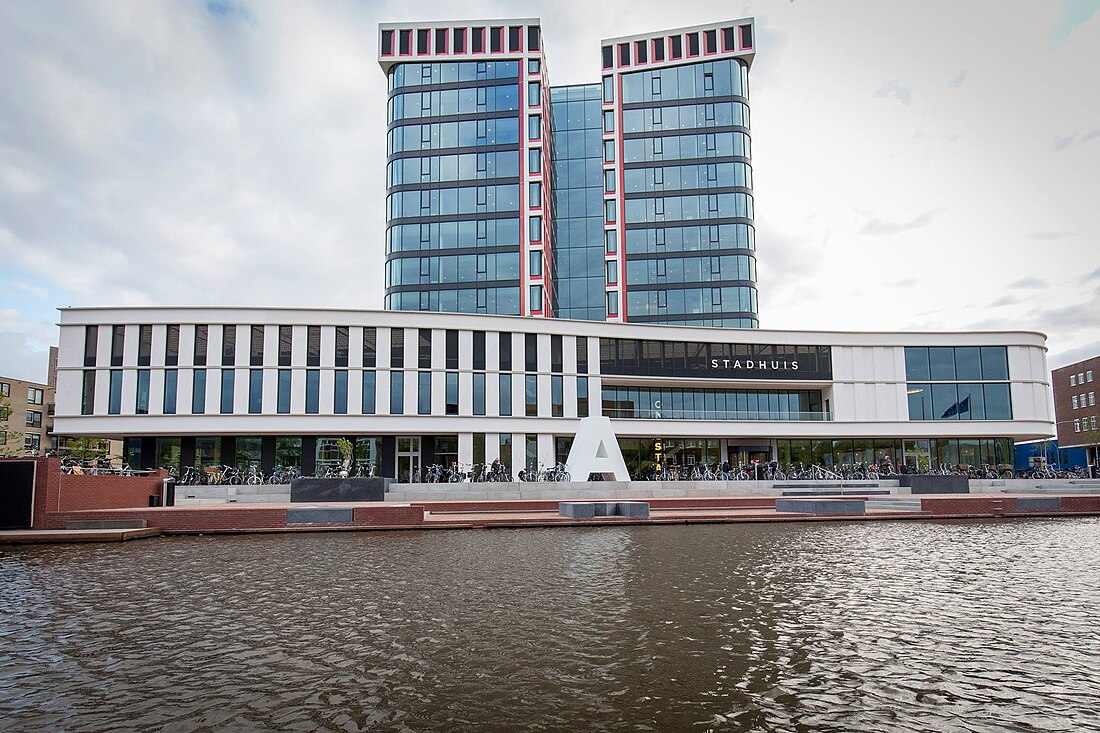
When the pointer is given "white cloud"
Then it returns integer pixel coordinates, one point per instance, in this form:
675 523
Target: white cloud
162 153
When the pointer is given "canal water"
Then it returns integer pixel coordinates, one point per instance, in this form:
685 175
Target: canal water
905 626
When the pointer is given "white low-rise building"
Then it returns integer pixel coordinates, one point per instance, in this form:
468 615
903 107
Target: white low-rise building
262 387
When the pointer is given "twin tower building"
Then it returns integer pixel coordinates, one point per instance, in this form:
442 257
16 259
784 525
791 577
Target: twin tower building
551 253
627 200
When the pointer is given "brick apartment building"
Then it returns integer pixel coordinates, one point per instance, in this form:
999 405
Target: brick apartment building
26 427
1076 412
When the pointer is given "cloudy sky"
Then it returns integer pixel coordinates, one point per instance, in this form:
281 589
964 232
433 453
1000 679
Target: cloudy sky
920 165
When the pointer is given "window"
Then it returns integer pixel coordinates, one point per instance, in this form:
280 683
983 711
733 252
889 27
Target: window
422 41
557 398
531 354
534 194
534 160
609 89
693 44
479 350
313 346
1088 375
342 347
613 303
227 392
34 419
397 393
555 353
452 349
255 391
31 442
283 406
609 180
91 344
35 396
229 345
535 229
534 96
677 46
611 241
424 348
145 345
441 40
609 121
118 342
531 395
370 346
87 395
1092 399
640 51
746 36
504 352
479 393
5 389
424 393
610 211
1077 425
141 406
534 127
624 54
369 383
1080 377
609 151
582 355
613 272
533 66
256 346
172 345
1073 380
658 49
198 392
460 40
536 263
536 297
397 348
387 43
313 391
170 388
114 404
505 392
452 393
607 57
1074 400
494 39
199 357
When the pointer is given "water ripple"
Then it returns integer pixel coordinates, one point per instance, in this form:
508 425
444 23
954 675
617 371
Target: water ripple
986 626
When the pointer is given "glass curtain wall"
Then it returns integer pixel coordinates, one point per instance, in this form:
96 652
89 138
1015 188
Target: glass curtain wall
452 177
578 198
687 198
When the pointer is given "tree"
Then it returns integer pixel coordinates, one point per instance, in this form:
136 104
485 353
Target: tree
85 449
1090 438
11 441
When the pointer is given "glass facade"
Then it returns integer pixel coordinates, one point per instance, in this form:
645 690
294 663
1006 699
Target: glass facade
712 404
453 187
578 201
687 195
945 395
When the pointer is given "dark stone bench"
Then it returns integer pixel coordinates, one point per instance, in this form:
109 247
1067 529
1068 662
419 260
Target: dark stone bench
338 489
935 484
320 515
107 524
1038 503
821 506
591 509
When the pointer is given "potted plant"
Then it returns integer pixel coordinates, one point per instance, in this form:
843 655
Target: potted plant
346 448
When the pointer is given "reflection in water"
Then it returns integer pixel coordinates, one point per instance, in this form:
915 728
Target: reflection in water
799 627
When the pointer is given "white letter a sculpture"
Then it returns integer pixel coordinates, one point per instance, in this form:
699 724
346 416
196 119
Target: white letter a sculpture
596 450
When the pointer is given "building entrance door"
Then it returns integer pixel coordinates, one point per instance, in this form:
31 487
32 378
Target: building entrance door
16 494
744 455
408 460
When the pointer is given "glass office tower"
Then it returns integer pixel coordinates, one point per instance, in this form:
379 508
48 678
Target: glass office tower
467 229
628 200
676 131
578 202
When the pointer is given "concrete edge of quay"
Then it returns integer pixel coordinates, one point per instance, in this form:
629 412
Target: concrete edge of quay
513 514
